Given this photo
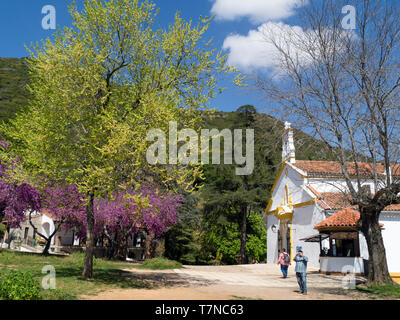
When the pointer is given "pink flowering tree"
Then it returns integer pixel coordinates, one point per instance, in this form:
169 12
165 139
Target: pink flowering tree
121 217
19 200
15 198
158 217
116 219
66 208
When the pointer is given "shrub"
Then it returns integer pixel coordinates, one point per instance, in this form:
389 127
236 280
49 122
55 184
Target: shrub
18 285
160 249
160 264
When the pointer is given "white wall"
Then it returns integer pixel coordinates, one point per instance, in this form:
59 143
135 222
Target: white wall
342 264
391 237
46 219
295 183
363 246
334 185
304 219
272 239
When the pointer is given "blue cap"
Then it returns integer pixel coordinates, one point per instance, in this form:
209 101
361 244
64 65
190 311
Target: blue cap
299 248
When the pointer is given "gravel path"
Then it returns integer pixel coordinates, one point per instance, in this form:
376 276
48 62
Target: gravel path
259 281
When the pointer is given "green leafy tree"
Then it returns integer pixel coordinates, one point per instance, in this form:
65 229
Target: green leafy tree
222 239
99 87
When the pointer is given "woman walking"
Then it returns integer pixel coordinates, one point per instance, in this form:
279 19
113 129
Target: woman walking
284 261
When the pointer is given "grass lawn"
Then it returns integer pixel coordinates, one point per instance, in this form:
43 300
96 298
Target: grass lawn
69 281
386 291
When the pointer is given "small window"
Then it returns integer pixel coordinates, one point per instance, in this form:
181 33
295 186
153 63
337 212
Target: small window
343 248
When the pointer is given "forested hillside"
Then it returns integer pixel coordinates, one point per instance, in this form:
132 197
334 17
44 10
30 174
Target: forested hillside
13 80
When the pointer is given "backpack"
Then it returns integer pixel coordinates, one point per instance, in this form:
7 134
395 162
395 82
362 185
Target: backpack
286 258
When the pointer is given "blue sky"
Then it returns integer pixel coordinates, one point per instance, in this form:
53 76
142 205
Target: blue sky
236 25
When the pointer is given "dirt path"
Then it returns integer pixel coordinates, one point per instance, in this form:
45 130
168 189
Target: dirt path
230 282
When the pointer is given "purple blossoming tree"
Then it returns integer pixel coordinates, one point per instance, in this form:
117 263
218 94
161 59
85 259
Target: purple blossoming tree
65 206
15 199
148 210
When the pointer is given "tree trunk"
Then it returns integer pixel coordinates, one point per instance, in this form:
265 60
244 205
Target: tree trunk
47 247
121 248
243 234
149 244
48 239
153 247
88 263
378 272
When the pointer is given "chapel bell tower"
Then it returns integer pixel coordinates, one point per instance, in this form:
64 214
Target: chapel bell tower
288 150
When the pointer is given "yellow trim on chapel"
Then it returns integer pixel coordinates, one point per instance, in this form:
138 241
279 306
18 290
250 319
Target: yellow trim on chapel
287 215
288 158
280 173
277 178
298 171
269 205
307 203
285 195
291 238
298 205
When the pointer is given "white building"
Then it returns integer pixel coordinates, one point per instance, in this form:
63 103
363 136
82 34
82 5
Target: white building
44 223
304 194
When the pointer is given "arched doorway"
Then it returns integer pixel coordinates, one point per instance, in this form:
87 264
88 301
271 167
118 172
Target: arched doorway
284 237
46 229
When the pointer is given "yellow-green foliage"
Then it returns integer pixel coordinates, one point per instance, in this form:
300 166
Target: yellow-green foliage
16 285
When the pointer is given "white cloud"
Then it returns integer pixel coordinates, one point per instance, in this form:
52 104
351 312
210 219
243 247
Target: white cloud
257 51
258 11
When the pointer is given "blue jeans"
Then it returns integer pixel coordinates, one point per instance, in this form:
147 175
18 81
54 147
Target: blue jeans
302 281
284 270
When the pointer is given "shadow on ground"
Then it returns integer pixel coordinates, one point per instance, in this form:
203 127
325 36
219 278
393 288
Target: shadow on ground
125 279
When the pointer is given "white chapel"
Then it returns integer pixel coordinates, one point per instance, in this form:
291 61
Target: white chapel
307 209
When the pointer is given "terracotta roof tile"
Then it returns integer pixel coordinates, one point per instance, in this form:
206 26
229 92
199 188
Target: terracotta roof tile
321 202
393 207
334 169
315 192
343 218
339 200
